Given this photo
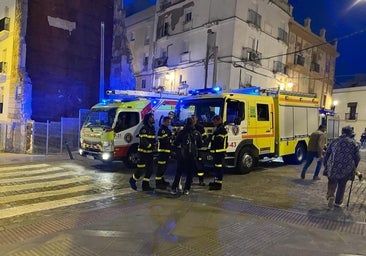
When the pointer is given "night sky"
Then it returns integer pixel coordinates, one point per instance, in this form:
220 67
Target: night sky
344 20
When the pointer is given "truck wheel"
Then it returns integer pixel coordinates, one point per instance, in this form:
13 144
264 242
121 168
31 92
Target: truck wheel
246 161
132 157
298 156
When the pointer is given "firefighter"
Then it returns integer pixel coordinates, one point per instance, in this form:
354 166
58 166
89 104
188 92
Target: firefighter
199 163
145 149
164 149
218 149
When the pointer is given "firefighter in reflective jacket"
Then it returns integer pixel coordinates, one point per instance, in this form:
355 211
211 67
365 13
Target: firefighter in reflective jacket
199 163
145 149
164 149
217 150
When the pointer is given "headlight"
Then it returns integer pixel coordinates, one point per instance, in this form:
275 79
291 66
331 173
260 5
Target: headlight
106 156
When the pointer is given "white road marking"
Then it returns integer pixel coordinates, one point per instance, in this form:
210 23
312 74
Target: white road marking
39 177
20 210
23 167
24 173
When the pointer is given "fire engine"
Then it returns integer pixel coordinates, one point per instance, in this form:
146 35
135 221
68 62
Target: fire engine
110 130
261 124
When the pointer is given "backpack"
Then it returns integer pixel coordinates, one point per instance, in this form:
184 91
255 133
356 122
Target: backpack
189 145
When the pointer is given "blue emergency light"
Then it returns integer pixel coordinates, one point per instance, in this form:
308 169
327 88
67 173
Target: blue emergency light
255 90
215 90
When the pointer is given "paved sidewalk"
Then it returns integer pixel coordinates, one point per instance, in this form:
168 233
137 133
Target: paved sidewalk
270 211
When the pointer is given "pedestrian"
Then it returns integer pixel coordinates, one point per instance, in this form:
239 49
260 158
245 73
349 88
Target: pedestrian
145 150
187 143
363 139
199 161
218 149
315 150
164 149
340 162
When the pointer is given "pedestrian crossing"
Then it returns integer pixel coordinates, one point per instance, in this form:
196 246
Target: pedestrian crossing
35 187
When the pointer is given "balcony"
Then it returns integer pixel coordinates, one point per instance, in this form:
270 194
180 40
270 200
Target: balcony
351 116
315 67
282 35
160 62
4 28
279 67
250 55
299 60
254 18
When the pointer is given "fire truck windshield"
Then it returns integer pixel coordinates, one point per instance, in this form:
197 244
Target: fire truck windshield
100 117
204 109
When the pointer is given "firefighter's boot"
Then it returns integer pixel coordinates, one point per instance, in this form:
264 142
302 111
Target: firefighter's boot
132 182
201 181
215 185
161 184
146 186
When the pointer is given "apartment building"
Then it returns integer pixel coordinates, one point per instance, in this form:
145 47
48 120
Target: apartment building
310 63
202 43
49 61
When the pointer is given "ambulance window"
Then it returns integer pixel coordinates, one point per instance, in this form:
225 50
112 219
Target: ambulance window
126 120
262 112
235 112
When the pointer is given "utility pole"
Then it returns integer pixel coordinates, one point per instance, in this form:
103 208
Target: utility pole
210 51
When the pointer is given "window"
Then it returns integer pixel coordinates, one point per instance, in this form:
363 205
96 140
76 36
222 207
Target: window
262 112
143 84
145 61
132 36
254 18
126 120
352 115
188 16
235 112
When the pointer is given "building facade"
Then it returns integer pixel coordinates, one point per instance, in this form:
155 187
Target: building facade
310 64
237 43
202 43
50 61
349 105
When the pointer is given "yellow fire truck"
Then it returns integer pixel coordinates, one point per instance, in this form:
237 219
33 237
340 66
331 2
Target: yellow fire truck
110 130
261 124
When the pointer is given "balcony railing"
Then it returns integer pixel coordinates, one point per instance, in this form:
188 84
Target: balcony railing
350 116
160 62
279 67
299 60
3 66
251 55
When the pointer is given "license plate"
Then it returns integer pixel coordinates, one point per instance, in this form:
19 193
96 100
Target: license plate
90 157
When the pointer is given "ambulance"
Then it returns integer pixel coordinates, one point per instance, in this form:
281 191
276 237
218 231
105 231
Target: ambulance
261 124
110 130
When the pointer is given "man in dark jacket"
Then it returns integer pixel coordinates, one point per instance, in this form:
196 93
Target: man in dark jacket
315 150
164 149
145 149
187 143
340 162
217 150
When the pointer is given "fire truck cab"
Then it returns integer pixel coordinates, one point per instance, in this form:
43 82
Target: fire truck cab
110 130
260 123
